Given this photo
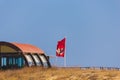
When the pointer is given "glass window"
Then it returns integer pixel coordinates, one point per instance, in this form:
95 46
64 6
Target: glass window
29 59
44 60
36 60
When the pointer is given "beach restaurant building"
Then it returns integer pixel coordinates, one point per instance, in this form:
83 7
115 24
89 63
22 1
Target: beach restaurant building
17 55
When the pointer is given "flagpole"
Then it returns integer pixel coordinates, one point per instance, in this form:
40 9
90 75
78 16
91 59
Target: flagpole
56 61
65 54
65 60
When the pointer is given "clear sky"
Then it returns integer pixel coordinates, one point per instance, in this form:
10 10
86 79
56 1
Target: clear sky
91 27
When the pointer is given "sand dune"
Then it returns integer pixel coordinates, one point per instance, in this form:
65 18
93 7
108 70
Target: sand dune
35 73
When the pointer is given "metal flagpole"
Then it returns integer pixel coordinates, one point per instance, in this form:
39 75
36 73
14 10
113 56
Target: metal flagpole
65 54
56 61
65 60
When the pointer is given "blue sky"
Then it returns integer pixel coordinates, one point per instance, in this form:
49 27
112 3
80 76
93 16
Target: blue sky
92 28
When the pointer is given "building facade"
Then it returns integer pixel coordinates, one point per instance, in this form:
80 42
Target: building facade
17 55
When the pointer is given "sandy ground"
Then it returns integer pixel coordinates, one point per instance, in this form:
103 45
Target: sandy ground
35 73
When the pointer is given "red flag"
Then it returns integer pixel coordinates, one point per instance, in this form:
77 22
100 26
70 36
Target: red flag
60 51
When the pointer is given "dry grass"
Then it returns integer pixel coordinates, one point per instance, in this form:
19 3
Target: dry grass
37 73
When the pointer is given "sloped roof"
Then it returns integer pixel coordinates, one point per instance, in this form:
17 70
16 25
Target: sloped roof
28 48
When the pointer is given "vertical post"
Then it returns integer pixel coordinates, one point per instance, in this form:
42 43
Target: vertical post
65 61
65 54
56 61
